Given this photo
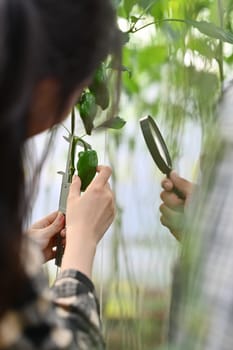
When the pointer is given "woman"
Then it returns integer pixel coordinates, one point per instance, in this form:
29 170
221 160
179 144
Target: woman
49 50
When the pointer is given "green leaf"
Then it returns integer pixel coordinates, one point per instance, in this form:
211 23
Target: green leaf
130 85
152 56
87 109
134 19
229 59
172 33
157 10
113 123
203 47
121 11
128 5
211 30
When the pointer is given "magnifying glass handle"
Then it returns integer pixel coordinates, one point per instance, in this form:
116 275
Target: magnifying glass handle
179 193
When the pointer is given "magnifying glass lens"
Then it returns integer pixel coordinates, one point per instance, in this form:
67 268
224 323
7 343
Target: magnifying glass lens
160 146
157 147
156 144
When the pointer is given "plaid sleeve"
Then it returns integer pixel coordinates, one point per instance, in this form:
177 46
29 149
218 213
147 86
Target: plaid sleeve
76 304
65 317
202 305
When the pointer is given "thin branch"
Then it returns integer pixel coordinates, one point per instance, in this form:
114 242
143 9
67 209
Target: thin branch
65 128
158 22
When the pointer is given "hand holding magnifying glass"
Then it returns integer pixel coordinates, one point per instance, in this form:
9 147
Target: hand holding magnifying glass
158 148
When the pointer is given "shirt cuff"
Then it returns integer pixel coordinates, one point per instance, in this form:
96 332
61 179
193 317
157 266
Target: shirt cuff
79 276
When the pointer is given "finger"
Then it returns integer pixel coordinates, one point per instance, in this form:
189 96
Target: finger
171 219
46 221
169 213
75 187
104 173
56 226
182 184
174 231
167 184
172 201
63 232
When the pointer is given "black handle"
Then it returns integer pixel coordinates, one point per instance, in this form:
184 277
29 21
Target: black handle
59 251
180 194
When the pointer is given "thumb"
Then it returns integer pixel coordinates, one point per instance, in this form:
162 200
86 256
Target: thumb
75 187
56 226
181 184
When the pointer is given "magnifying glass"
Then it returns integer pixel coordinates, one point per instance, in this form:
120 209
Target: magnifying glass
158 148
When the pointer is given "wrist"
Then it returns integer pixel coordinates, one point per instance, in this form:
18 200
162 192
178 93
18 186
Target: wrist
81 237
79 253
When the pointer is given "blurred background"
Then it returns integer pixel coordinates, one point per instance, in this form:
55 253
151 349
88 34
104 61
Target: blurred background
176 56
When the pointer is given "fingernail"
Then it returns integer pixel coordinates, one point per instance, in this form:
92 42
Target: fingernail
60 216
174 173
63 232
75 178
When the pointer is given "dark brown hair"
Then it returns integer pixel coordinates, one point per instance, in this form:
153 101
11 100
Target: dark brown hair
62 39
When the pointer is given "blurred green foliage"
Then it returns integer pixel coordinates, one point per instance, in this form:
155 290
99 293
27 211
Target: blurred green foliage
177 54
182 47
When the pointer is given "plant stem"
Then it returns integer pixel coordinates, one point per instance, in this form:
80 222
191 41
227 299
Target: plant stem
73 146
72 156
72 121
